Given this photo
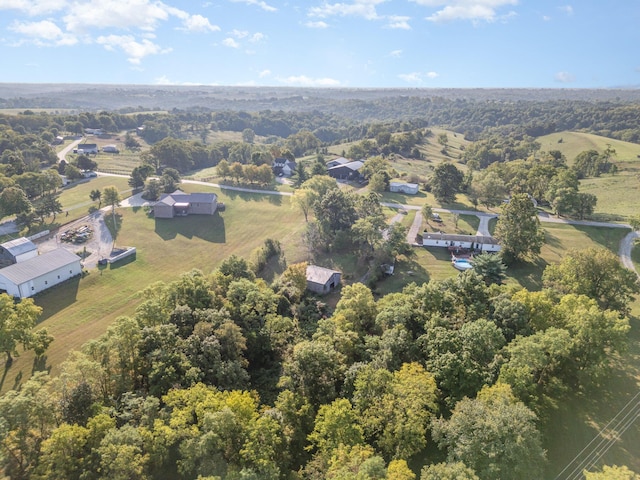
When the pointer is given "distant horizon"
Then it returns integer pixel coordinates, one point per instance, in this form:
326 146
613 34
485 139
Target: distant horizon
363 44
301 87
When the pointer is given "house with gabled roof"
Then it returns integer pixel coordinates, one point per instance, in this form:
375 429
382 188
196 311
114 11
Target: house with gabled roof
322 280
180 204
284 166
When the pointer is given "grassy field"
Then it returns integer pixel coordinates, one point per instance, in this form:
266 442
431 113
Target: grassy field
617 194
573 143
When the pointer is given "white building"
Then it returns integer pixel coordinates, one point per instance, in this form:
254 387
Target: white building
36 274
403 187
18 250
473 242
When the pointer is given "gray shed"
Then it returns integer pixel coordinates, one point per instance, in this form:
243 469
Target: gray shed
322 280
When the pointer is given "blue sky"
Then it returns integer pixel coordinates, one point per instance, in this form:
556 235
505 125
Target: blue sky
314 43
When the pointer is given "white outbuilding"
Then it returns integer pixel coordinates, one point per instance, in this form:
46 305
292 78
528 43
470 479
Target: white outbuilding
18 250
25 279
403 187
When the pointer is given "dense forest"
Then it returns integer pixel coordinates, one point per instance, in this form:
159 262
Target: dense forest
222 375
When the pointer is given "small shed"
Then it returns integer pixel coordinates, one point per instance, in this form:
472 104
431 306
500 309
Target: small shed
17 250
39 273
322 280
403 187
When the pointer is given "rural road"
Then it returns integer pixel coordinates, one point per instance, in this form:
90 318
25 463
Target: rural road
62 154
626 245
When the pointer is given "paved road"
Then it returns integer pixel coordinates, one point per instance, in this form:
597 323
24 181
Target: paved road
62 154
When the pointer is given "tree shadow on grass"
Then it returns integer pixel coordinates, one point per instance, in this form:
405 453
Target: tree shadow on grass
114 223
40 364
253 197
608 238
528 274
206 227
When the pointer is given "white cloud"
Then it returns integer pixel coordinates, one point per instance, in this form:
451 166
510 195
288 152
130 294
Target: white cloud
395 53
239 33
473 10
546 18
34 7
83 17
198 23
264 73
359 8
304 81
259 3
134 49
568 9
257 37
43 33
399 22
564 77
417 77
319 24
230 42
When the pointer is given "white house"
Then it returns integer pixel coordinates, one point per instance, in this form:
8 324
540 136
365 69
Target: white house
35 275
402 187
284 166
474 242
18 250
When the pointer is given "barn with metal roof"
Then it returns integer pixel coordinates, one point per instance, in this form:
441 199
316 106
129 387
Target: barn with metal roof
25 279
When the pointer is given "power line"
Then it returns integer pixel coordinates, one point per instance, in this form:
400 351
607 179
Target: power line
601 443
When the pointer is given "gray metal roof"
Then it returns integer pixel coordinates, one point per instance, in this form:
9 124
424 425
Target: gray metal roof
180 197
355 165
321 275
19 246
35 267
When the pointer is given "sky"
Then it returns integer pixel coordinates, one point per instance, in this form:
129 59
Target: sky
315 43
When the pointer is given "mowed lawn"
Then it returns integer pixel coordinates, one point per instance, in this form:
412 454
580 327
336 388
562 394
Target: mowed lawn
81 310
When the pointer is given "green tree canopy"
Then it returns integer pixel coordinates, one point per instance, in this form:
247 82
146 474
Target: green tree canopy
518 229
596 273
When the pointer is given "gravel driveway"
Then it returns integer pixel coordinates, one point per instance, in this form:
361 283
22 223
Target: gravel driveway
98 246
